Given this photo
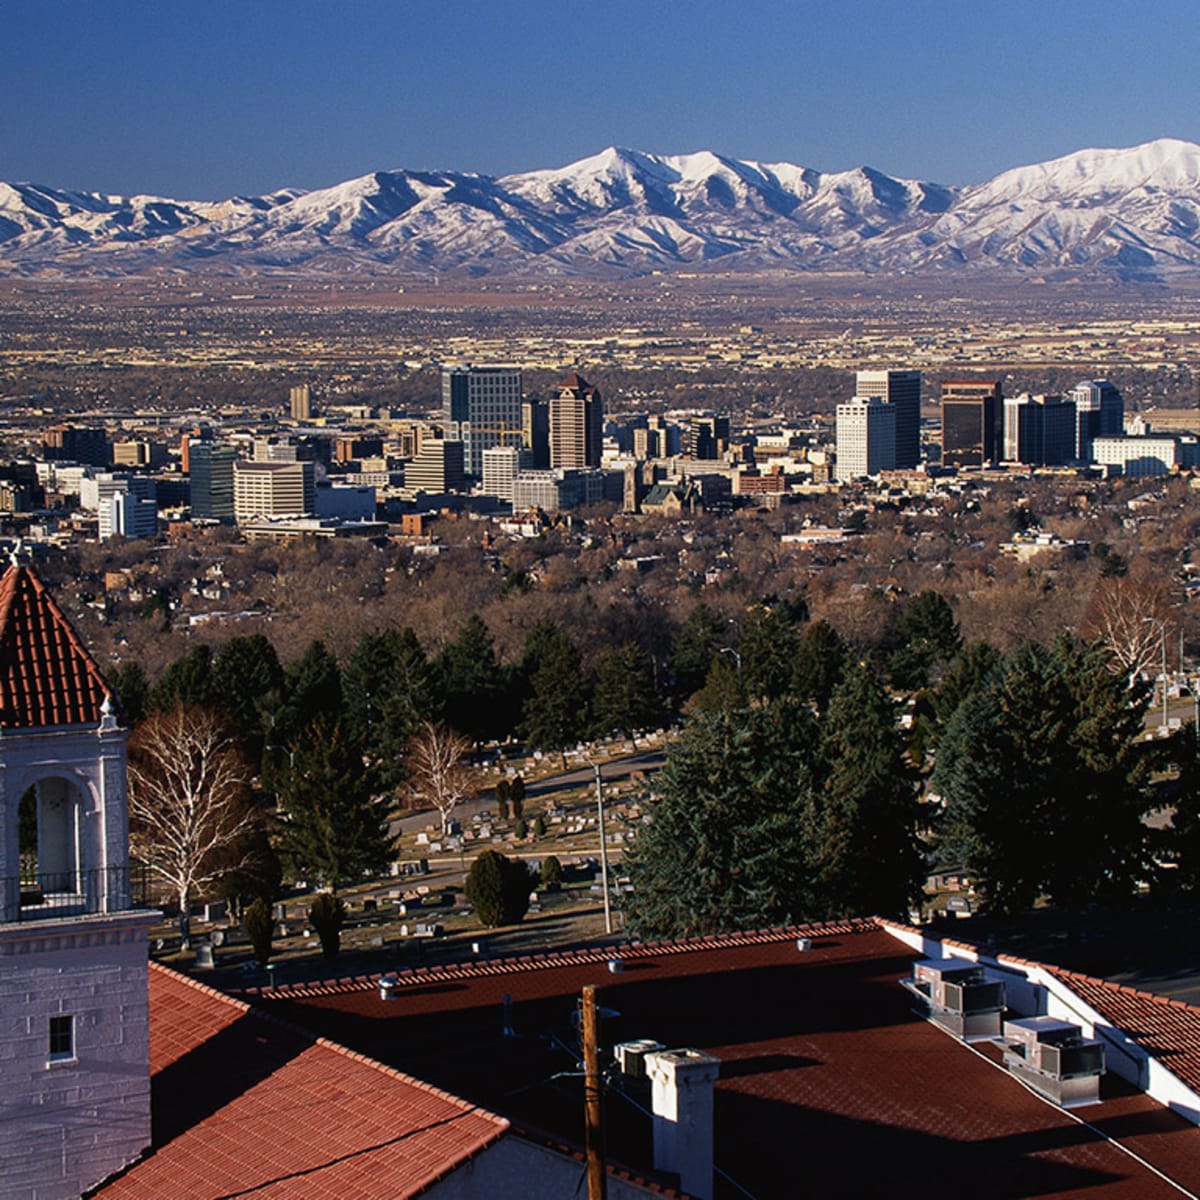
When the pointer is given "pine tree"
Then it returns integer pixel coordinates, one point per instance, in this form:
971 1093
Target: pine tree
335 830
312 691
725 846
247 681
187 681
768 646
700 637
821 660
473 685
554 715
866 854
626 698
389 691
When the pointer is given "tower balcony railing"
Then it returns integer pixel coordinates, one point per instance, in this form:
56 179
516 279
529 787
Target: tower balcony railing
52 895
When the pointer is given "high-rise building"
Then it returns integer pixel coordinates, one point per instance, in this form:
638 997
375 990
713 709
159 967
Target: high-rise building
481 407
535 432
970 422
77 444
273 489
501 465
1099 412
212 481
866 437
300 400
902 390
706 437
129 515
576 425
1039 430
437 468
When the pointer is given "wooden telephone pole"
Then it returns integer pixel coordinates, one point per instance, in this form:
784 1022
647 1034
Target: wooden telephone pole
597 1175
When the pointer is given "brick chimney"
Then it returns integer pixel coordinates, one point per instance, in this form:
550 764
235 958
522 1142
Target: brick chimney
682 1100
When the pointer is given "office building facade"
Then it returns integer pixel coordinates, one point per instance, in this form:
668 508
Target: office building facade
866 438
273 489
970 422
212 481
481 407
1039 431
1099 412
576 425
437 468
902 390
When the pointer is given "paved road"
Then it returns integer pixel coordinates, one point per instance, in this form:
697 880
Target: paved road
617 769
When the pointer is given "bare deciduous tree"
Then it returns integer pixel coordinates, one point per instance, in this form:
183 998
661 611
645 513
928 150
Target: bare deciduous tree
438 770
190 802
1132 617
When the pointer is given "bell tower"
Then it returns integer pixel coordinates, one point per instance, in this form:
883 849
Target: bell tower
74 1009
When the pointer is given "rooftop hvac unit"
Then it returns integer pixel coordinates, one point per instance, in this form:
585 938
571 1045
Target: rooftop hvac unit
1054 1059
955 994
631 1056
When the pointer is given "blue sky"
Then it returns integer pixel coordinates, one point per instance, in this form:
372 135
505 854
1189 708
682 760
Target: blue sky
205 100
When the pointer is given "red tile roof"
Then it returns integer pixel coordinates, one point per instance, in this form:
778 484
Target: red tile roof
245 1104
826 1074
1167 1029
576 383
46 676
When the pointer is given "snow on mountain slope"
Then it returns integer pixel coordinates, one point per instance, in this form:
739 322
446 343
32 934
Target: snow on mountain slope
1133 212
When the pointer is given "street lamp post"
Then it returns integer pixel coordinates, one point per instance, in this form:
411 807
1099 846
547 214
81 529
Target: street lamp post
603 850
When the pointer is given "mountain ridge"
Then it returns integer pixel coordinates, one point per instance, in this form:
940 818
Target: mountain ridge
1131 214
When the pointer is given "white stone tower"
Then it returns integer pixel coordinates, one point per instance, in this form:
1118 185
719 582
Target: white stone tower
74 1019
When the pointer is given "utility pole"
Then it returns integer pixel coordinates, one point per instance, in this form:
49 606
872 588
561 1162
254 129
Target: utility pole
603 850
597 1175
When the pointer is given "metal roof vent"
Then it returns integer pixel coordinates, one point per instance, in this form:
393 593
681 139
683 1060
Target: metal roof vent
1054 1059
956 995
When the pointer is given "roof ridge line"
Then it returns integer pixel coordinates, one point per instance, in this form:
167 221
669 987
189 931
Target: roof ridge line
551 959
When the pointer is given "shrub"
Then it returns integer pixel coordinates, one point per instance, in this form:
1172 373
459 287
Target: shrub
328 914
539 826
516 796
259 928
552 872
503 790
498 888
520 829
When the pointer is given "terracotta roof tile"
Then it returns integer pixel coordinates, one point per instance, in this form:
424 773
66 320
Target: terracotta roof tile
46 675
245 1103
825 1074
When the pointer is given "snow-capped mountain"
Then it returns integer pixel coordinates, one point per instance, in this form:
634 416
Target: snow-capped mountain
1125 213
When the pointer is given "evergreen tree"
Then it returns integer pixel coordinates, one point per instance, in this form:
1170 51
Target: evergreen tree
1183 838
698 640
722 688
924 634
554 715
312 691
334 830
247 680
132 692
626 698
866 855
389 691
725 847
1044 782
498 888
473 685
768 646
187 681
821 661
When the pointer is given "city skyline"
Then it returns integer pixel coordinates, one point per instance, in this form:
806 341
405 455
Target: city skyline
234 101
